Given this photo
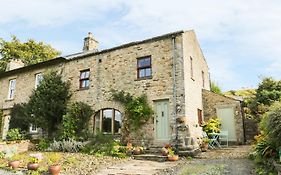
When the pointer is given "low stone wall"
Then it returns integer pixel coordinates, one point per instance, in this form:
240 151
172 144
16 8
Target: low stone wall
19 146
251 129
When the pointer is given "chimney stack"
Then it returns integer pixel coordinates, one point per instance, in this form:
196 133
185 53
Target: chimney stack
14 64
90 43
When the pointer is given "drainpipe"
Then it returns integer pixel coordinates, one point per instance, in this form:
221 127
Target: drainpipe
175 93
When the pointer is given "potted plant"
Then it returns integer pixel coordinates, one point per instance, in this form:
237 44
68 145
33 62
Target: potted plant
204 144
54 167
137 150
164 151
34 161
172 156
14 162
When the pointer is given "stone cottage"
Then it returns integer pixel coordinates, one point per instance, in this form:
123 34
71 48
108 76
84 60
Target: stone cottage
229 111
170 69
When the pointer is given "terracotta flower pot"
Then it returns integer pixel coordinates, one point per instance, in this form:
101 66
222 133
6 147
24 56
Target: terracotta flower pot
164 152
173 157
55 169
32 166
136 151
14 164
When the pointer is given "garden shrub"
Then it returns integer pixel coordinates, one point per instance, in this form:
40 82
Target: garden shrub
43 145
14 134
19 117
212 125
105 145
75 122
273 124
69 145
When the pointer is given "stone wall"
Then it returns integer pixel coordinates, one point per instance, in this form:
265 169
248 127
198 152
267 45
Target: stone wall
212 101
116 69
251 129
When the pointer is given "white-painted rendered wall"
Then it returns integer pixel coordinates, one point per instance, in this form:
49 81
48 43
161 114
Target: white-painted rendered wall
193 85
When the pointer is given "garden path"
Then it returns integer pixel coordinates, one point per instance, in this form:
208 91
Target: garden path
230 161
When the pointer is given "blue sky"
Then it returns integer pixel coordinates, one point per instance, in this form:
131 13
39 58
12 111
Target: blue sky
240 39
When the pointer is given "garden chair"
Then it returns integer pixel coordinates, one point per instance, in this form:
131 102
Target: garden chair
214 137
223 138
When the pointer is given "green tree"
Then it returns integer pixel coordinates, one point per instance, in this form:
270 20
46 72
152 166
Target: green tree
215 88
75 122
30 52
19 118
48 102
268 92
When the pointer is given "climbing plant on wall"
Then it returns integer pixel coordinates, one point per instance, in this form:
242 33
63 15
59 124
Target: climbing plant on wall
137 110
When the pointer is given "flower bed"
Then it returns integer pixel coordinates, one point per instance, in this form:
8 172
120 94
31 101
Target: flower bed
72 163
20 145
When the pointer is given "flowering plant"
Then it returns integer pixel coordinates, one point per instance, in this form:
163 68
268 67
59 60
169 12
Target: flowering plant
35 158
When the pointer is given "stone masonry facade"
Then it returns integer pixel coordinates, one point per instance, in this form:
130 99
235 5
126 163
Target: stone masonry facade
212 101
116 69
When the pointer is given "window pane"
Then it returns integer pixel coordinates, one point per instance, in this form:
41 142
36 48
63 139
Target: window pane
117 122
141 73
87 74
144 62
97 122
87 83
148 72
82 76
107 120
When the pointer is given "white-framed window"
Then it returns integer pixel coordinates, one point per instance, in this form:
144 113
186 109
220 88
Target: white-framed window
33 128
12 88
38 79
84 79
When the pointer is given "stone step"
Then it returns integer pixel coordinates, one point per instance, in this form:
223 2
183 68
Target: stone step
191 153
152 157
153 150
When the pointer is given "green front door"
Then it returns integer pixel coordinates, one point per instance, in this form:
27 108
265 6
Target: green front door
162 120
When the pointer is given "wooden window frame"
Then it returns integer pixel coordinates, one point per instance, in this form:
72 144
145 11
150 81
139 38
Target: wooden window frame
200 117
81 80
139 68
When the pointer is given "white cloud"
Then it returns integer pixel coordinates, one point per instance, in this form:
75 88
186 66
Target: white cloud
53 12
230 31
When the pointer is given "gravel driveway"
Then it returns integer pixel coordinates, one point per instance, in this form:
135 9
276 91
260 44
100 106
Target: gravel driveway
226 161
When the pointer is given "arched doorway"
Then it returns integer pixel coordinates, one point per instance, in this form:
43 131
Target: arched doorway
108 121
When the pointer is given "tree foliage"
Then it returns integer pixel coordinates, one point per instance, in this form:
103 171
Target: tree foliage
272 124
215 88
268 92
75 122
48 102
30 52
19 118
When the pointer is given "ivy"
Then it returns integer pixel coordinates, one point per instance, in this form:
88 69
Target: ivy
137 109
